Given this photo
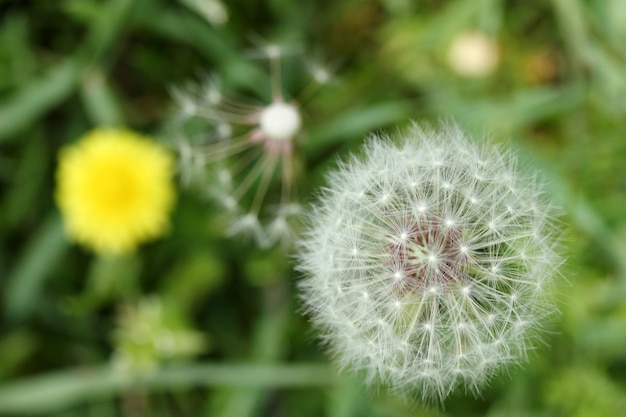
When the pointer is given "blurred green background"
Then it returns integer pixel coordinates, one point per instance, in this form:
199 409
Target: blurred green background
547 75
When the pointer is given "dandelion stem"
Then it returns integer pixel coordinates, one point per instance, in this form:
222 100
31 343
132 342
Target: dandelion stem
58 390
275 73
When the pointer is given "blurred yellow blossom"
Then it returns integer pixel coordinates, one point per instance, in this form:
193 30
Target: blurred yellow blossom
114 189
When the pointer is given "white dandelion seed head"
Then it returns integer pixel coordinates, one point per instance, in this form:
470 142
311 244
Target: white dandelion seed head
456 282
242 154
280 121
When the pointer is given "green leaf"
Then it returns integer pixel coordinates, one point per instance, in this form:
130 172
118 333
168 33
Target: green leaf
26 282
356 124
35 99
100 100
268 346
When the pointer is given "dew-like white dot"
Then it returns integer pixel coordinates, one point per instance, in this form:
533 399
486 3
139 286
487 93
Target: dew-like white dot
280 121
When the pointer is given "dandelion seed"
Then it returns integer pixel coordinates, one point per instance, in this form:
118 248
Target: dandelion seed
457 301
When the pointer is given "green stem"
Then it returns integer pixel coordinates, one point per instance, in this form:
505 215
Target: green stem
25 284
268 346
56 391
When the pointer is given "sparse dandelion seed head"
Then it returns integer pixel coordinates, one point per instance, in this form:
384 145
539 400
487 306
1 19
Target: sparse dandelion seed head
257 144
445 284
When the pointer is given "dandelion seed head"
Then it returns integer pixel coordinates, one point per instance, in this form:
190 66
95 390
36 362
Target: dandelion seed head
440 265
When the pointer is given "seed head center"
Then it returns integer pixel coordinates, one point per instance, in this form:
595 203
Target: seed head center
430 253
280 121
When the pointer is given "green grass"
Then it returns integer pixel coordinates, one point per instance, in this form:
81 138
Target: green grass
557 94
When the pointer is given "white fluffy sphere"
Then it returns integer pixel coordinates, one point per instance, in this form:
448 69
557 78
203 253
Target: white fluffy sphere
427 265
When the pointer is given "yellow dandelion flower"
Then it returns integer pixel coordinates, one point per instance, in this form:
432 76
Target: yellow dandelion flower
114 189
